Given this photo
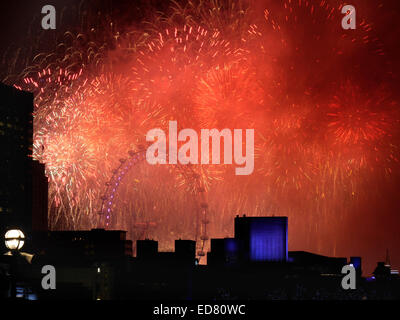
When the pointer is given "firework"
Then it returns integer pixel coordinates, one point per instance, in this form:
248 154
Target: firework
326 135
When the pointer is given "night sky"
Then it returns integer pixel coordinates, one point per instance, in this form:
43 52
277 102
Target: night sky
324 103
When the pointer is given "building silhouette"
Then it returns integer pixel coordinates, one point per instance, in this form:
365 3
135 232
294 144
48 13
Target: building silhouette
40 195
257 240
90 264
98 264
262 239
23 187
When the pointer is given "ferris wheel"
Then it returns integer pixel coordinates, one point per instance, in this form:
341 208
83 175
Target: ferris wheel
106 218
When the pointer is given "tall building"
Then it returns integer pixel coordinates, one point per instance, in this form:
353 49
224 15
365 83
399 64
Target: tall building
40 194
262 239
23 185
16 135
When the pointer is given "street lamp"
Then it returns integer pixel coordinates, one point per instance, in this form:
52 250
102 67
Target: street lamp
14 239
19 261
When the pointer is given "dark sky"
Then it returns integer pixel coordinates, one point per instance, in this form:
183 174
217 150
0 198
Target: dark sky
20 17
17 17
20 21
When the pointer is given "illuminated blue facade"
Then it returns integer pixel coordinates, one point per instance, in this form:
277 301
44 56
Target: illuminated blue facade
231 246
231 250
223 252
356 262
264 239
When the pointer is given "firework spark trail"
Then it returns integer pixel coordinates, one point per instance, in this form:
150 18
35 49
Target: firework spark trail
323 133
93 116
229 97
172 63
303 155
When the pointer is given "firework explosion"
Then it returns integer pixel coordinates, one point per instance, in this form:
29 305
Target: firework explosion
325 140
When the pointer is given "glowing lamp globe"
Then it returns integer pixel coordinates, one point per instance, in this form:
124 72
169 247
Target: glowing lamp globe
14 239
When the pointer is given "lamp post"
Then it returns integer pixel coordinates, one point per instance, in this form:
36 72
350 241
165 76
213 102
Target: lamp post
14 240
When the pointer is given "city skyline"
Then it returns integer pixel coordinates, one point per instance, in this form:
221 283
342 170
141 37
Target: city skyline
87 86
